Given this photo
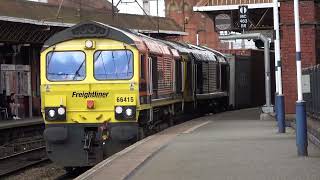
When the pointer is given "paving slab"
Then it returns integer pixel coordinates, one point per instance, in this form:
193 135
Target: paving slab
122 164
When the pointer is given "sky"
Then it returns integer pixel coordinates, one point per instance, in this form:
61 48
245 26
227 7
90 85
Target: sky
131 7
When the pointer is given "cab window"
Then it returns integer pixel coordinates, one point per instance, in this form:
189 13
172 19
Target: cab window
113 65
66 66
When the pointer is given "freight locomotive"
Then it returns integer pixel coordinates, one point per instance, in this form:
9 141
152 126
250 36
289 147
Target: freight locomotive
104 87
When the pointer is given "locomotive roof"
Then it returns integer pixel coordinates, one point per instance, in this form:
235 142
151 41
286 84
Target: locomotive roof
221 57
203 53
177 46
155 45
198 53
93 29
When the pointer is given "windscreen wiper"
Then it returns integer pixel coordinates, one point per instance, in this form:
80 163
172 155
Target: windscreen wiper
78 70
104 68
52 52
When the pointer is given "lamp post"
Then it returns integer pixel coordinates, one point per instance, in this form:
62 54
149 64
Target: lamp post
280 110
301 120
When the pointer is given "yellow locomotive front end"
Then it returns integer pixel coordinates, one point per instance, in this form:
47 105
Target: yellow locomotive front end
90 95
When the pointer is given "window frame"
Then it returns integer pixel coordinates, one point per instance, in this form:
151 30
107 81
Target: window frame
85 63
93 62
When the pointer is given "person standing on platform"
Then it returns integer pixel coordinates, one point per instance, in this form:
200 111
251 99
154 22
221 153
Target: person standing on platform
14 106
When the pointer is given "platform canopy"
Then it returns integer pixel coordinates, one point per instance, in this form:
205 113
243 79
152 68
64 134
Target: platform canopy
260 13
31 22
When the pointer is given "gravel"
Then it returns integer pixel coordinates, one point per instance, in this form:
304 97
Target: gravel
47 171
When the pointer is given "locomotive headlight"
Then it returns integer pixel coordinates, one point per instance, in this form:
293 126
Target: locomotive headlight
119 109
129 112
55 113
61 111
51 113
125 113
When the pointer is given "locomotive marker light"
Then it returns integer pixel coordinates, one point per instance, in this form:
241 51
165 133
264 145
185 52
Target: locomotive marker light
268 107
51 113
89 44
301 120
119 109
61 111
129 112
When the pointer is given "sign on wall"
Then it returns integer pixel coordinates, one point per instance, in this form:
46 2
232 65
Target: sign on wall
306 84
243 17
223 22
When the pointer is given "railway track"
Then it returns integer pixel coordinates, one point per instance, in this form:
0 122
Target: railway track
19 161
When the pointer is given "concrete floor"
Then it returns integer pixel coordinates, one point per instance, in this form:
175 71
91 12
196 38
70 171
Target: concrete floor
233 146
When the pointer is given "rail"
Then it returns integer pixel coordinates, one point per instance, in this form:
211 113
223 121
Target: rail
16 162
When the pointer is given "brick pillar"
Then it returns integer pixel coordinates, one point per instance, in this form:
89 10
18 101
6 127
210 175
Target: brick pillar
308 16
192 22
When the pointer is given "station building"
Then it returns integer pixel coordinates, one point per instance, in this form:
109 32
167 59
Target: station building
25 25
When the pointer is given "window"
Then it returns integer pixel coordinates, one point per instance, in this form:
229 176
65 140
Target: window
112 65
143 67
66 66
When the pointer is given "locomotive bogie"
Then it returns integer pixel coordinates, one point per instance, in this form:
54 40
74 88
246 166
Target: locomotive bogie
84 144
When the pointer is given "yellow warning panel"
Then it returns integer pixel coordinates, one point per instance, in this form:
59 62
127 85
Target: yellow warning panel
55 100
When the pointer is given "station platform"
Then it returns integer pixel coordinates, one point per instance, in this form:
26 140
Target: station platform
7 124
234 145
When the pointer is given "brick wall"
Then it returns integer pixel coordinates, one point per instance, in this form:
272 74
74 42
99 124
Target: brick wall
317 6
192 22
85 4
308 46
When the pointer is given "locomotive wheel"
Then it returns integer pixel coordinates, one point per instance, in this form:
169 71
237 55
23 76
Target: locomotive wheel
171 123
69 170
75 171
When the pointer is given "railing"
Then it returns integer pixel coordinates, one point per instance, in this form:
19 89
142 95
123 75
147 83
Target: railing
311 91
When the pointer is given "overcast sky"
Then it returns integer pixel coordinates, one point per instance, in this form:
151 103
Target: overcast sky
133 8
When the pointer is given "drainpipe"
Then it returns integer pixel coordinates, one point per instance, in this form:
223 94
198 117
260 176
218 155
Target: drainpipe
197 36
197 39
